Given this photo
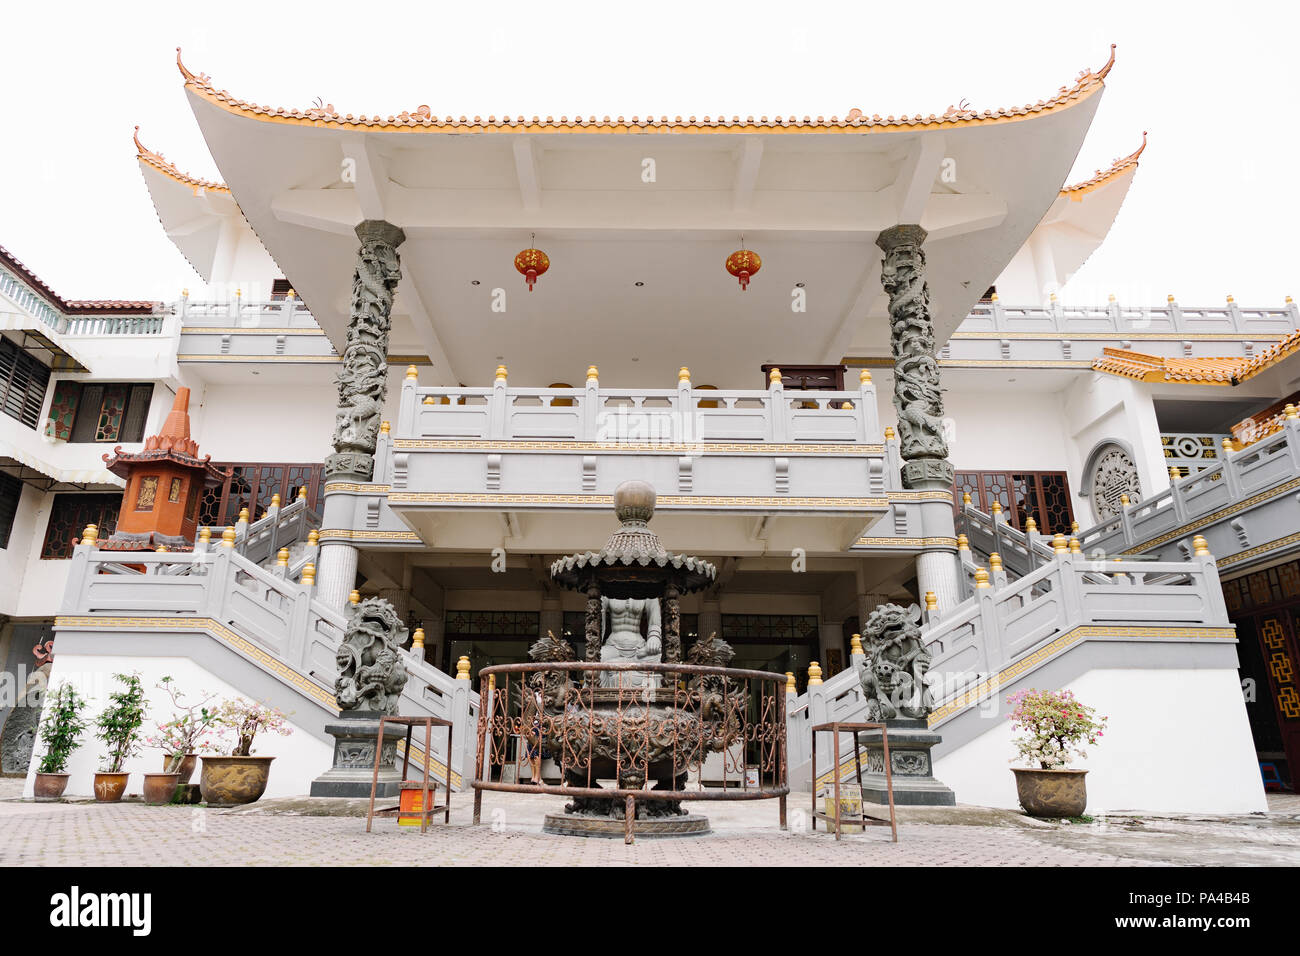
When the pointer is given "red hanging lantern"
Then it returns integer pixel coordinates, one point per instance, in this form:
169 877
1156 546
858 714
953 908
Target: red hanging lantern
532 263
743 264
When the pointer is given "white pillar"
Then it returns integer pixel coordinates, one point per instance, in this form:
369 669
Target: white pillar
337 574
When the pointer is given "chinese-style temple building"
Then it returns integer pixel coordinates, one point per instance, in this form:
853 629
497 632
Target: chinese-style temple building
833 345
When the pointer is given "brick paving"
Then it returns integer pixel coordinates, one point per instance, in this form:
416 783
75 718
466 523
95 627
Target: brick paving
280 833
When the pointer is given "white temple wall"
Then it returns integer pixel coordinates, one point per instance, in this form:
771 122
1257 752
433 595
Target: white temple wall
16 597
1177 741
1099 408
1007 430
300 757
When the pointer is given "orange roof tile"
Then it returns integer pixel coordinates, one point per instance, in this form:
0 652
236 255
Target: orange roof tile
75 306
1194 371
158 162
422 119
1100 178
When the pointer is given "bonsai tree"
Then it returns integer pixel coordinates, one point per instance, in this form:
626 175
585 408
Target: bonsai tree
119 725
193 727
248 719
1054 727
62 728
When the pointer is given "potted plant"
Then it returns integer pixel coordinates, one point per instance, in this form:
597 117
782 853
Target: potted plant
192 728
1054 726
241 777
119 728
60 734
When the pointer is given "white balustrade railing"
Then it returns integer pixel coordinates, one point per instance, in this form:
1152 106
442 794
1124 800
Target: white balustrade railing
683 414
1233 477
1056 318
266 607
239 312
1010 620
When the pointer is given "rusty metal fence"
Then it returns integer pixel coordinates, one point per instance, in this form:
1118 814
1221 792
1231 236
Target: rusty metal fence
641 726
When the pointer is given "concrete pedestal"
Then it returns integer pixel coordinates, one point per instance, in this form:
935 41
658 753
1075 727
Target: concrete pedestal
910 742
354 758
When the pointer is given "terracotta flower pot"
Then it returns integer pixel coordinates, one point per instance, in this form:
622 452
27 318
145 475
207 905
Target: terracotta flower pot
109 787
159 788
49 786
1051 793
232 781
189 763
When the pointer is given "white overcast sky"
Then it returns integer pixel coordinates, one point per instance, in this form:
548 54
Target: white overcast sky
1214 209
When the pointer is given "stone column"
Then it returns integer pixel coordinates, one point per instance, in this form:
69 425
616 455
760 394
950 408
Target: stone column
919 405
363 386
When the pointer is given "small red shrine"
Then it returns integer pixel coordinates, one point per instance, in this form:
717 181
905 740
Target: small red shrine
164 483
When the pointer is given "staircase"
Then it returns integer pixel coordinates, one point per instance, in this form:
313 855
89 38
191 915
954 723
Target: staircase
259 629
1068 616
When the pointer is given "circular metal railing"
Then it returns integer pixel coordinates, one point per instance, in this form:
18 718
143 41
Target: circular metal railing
641 726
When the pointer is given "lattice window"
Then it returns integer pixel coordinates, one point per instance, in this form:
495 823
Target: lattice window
69 516
23 381
492 624
769 628
109 412
1043 494
253 484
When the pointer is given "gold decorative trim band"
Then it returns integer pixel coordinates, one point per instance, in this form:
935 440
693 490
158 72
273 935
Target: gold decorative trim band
400 537
277 667
1273 545
906 543
1215 516
670 501
1055 647
355 488
711 448
1043 654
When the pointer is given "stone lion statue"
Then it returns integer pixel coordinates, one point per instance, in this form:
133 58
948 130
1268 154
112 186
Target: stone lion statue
371 674
893 673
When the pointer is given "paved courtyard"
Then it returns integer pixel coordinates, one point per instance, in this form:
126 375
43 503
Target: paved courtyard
293 832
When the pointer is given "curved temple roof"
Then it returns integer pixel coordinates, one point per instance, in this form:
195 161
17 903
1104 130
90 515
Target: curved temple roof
1100 178
421 119
1195 371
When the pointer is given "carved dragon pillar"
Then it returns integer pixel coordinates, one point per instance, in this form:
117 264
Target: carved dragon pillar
919 404
363 386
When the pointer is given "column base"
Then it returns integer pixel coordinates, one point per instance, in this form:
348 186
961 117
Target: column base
909 757
354 758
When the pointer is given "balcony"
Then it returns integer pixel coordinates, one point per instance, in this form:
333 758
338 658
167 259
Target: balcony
741 471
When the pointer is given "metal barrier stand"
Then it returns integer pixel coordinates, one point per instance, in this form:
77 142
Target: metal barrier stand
836 728
428 792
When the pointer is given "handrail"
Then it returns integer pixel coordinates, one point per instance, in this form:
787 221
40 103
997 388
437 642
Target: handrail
1236 475
265 607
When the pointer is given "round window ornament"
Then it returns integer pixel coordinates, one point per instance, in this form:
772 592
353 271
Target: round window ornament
1114 480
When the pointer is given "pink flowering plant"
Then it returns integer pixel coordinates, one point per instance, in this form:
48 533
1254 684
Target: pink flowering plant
194 728
1054 727
247 718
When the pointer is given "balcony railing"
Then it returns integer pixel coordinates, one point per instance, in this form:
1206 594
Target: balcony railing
1223 484
1058 319
243 313
656 416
